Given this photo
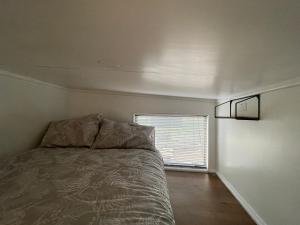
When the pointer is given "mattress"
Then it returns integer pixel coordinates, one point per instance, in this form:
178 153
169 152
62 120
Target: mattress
80 186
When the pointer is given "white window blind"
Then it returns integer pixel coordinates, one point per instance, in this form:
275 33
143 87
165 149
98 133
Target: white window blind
182 140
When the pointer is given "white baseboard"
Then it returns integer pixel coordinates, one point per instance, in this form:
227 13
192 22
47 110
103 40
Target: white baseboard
253 214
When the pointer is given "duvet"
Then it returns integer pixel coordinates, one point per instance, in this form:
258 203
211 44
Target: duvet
62 186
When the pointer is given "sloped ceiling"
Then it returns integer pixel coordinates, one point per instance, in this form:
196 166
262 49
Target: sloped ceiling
194 48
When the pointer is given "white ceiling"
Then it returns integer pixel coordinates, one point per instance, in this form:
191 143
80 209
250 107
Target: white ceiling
195 48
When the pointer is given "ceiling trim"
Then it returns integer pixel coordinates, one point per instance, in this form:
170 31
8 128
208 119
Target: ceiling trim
5 73
265 89
100 91
123 93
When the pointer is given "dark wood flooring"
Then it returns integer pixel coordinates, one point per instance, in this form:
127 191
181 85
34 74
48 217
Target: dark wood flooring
202 199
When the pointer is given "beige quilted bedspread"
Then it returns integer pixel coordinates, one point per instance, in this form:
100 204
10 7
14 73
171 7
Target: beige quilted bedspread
63 186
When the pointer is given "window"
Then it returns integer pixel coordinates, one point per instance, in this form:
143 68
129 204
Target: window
182 140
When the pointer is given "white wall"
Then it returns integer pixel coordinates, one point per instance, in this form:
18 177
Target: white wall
122 106
261 159
26 107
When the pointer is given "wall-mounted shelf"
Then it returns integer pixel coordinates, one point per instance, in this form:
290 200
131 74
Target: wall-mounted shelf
246 108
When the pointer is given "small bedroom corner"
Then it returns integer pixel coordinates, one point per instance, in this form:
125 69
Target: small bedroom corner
149 112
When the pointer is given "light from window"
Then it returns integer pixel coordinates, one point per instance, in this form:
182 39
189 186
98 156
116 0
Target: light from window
182 140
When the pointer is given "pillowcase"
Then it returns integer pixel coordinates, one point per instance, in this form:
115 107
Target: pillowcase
124 135
80 132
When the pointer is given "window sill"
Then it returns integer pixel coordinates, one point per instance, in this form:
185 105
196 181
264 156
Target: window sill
186 169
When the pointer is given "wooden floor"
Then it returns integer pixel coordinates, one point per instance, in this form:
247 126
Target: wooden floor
202 199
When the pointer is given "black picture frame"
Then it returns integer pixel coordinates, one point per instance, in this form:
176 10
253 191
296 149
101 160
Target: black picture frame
237 117
224 117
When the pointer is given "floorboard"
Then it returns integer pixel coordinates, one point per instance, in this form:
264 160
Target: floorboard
202 199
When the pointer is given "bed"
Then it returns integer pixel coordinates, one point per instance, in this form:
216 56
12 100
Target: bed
83 186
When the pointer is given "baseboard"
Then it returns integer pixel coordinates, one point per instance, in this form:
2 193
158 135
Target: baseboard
212 171
253 214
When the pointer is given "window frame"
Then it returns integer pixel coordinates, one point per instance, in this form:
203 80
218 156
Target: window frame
184 167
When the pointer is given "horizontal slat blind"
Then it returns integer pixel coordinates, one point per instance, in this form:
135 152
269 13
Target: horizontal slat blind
182 140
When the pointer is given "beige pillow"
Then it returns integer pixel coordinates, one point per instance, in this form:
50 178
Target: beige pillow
80 132
124 135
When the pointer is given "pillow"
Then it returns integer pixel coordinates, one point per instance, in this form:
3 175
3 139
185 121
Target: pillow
80 132
124 135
